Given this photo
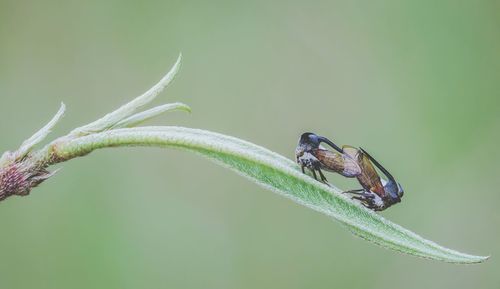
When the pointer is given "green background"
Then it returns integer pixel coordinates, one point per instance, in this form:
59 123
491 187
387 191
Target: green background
416 83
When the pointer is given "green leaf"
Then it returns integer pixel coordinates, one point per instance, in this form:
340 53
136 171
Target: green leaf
40 135
274 172
141 117
111 119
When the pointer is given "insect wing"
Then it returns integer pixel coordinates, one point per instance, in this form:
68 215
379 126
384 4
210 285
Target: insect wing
389 176
339 163
369 178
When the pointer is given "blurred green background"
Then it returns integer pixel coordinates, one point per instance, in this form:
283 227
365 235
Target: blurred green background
416 83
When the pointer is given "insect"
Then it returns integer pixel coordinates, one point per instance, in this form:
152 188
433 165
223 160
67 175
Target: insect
377 194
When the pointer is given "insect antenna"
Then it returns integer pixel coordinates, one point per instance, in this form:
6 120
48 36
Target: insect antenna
330 143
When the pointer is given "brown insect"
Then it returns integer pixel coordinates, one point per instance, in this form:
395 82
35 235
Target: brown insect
377 193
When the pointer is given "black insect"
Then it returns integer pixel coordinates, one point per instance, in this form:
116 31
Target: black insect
377 194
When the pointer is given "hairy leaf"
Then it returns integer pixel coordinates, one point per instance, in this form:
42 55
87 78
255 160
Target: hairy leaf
276 173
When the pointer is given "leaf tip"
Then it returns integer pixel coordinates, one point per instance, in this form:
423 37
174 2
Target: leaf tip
482 259
184 107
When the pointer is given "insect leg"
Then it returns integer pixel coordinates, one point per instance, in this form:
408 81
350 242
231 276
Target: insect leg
363 202
323 178
355 192
314 174
303 171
